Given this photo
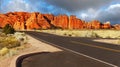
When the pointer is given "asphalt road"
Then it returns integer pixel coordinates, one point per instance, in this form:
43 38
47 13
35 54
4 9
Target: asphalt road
100 54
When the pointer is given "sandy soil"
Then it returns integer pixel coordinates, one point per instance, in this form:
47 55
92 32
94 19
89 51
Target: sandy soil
34 47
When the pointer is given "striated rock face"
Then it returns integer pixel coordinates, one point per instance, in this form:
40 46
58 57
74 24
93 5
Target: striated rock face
75 23
4 20
35 20
95 24
31 23
61 21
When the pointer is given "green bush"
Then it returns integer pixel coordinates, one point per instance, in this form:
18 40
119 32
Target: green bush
8 29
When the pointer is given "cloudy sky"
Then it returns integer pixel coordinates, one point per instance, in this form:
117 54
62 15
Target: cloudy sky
103 10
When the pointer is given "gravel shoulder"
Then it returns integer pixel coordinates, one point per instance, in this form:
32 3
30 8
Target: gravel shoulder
35 46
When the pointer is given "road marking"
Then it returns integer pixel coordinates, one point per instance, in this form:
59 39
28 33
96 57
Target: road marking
77 53
100 47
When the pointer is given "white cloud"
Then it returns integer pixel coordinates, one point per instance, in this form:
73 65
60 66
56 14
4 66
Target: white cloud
84 16
111 7
31 6
111 13
88 15
16 5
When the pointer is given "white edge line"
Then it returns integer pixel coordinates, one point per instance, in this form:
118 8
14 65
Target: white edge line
78 53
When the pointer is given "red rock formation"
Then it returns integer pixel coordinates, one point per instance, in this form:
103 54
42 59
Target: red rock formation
3 20
106 25
31 22
61 21
71 21
35 20
43 22
19 25
95 24
49 17
75 23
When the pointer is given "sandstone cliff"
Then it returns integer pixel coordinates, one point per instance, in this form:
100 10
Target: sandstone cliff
36 20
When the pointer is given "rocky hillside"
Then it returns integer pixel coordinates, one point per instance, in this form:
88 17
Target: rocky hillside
35 20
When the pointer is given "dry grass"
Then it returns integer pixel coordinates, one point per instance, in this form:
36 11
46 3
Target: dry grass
86 33
10 44
89 33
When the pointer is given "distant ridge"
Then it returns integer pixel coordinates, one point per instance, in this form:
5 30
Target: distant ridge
36 20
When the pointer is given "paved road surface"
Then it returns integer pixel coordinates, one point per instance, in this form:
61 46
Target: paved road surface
79 50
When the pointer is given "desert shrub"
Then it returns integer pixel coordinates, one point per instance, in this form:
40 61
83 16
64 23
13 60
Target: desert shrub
3 34
8 29
21 37
69 35
9 42
4 51
95 35
65 34
89 34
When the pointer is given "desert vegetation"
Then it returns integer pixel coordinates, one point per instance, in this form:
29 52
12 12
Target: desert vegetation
103 34
11 41
8 29
86 33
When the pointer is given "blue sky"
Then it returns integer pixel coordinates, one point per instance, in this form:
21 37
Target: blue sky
103 10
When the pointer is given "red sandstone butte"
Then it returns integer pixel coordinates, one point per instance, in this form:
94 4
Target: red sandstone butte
61 21
36 20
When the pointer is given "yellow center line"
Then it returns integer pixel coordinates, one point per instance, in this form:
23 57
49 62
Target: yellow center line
105 48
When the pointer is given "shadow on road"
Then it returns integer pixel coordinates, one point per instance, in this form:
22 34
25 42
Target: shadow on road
21 58
57 59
